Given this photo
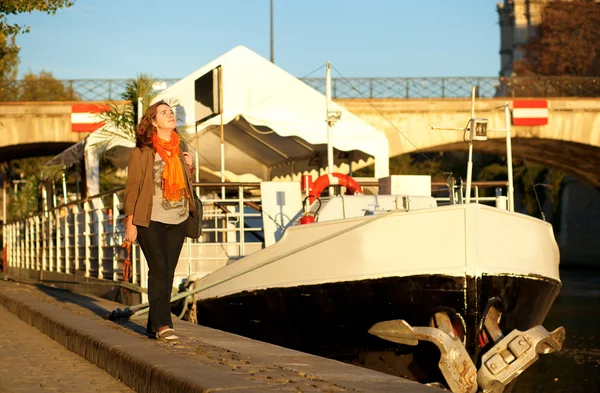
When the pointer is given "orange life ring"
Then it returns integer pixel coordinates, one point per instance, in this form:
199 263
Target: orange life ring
334 179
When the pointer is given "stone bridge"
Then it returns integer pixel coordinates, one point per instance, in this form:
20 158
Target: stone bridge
569 142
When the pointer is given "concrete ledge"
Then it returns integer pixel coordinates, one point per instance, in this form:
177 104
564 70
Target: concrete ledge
147 366
141 366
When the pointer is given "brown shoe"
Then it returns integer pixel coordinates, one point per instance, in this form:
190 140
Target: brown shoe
166 335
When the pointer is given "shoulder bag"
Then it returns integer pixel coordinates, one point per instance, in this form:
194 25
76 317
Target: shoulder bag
194 220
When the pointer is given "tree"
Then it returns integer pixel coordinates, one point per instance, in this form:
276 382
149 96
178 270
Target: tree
44 87
567 42
30 172
142 86
121 119
9 61
15 7
8 70
566 45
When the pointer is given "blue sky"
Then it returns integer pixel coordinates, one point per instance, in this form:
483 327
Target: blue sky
103 39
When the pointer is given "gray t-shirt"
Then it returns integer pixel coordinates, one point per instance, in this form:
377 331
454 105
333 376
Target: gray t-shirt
167 212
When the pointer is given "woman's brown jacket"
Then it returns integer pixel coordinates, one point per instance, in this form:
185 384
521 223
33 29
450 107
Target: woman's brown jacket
139 188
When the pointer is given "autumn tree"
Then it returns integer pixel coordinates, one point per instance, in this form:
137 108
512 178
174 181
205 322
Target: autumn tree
44 87
9 50
566 44
8 70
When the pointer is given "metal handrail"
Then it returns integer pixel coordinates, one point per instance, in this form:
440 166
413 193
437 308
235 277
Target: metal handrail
86 235
371 87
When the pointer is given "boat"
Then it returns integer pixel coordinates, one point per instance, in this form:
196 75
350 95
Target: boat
472 279
452 294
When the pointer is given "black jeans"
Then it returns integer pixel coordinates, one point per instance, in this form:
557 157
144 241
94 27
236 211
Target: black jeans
161 244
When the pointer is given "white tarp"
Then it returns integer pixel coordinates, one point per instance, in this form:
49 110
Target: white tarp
257 92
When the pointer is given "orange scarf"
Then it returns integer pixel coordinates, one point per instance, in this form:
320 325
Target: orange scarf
173 182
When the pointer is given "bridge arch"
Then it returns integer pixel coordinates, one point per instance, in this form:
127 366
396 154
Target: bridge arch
569 142
576 159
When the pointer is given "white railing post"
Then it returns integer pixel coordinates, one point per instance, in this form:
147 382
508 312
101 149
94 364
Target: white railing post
241 221
58 232
143 275
21 245
86 234
44 234
15 251
116 239
10 255
38 241
134 264
100 234
31 244
51 218
76 238
66 235
26 250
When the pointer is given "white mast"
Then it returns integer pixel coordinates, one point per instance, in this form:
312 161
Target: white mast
476 133
470 163
329 130
511 189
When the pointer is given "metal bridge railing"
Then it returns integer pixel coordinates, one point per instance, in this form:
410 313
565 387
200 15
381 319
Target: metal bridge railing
455 87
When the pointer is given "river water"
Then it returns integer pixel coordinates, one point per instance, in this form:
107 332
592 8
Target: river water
575 369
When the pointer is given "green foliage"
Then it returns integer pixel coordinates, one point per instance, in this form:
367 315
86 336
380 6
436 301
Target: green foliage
9 63
9 51
110 178
546 181
15 7
120 126
438 166
536 178
142 86
26 200
121 118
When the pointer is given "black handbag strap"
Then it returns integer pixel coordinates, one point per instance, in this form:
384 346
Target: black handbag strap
183 165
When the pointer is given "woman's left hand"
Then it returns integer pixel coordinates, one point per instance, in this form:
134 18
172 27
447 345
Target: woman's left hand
188 159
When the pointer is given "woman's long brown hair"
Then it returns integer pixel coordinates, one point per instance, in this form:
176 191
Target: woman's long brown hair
145 129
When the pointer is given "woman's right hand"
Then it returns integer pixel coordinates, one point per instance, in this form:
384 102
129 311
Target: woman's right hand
130 230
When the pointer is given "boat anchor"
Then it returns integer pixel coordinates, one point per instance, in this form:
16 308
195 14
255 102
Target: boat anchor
455 364
514 353
506 360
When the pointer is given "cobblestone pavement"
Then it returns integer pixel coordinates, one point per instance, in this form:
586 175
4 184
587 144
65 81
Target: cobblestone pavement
32 362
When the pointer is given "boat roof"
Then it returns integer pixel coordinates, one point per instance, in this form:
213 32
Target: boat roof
272 118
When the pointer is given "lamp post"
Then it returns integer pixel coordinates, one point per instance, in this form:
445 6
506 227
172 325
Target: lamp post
272 54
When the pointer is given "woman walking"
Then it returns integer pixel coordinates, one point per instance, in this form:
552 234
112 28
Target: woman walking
157 204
